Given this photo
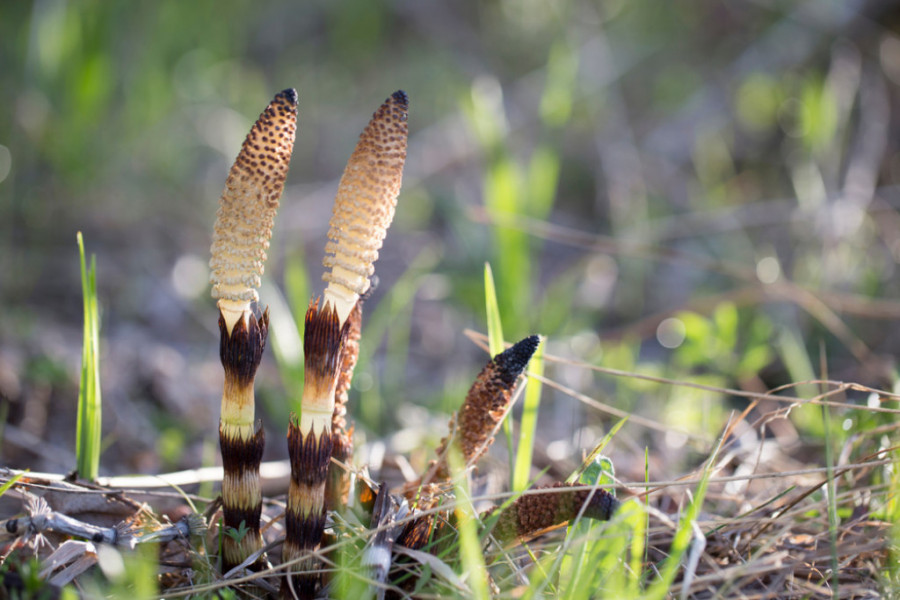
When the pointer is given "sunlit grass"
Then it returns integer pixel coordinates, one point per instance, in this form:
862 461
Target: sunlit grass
87 433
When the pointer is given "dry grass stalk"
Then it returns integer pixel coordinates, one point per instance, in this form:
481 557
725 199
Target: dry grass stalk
240 240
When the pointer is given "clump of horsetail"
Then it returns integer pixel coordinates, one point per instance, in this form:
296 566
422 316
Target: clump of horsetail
240 240
471 434
363 210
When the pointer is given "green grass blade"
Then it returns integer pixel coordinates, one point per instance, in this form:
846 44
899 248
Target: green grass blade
286 341
591 459
87 442
12 481
528 423
496 346
494 324
471 556
390 323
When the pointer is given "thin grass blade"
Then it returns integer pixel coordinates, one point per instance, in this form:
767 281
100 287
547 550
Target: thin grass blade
528 423
87 443
471 556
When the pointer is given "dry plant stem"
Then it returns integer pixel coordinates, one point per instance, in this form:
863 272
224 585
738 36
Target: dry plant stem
337 488
484 407
310 446
365 203
241 437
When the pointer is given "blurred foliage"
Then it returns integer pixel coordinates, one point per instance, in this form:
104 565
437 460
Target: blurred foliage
730 165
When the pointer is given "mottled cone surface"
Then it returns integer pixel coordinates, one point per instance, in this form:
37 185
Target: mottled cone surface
561 502
247 207
486 403
365 202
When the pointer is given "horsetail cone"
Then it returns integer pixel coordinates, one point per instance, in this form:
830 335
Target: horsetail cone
247 208
549 507
485 405
240 240
365 203
541 508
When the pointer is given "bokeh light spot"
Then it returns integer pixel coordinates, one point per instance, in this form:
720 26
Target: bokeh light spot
670 333
190 276
768 270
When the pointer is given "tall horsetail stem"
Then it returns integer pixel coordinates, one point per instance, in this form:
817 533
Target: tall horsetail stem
240 240
310 446
363 210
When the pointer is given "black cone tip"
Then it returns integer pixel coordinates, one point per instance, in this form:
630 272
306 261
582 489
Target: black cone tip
401 98
514 359
289 94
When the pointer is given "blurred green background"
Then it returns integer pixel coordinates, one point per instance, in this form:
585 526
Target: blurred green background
703 191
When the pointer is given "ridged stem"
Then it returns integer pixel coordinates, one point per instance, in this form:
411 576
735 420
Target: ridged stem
310 447
241 437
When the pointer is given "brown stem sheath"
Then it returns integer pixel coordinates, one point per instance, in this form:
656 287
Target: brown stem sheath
310 447
241 437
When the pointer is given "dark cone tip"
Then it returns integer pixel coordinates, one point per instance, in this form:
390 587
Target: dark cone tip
603 505
514 359
401 98
289 94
